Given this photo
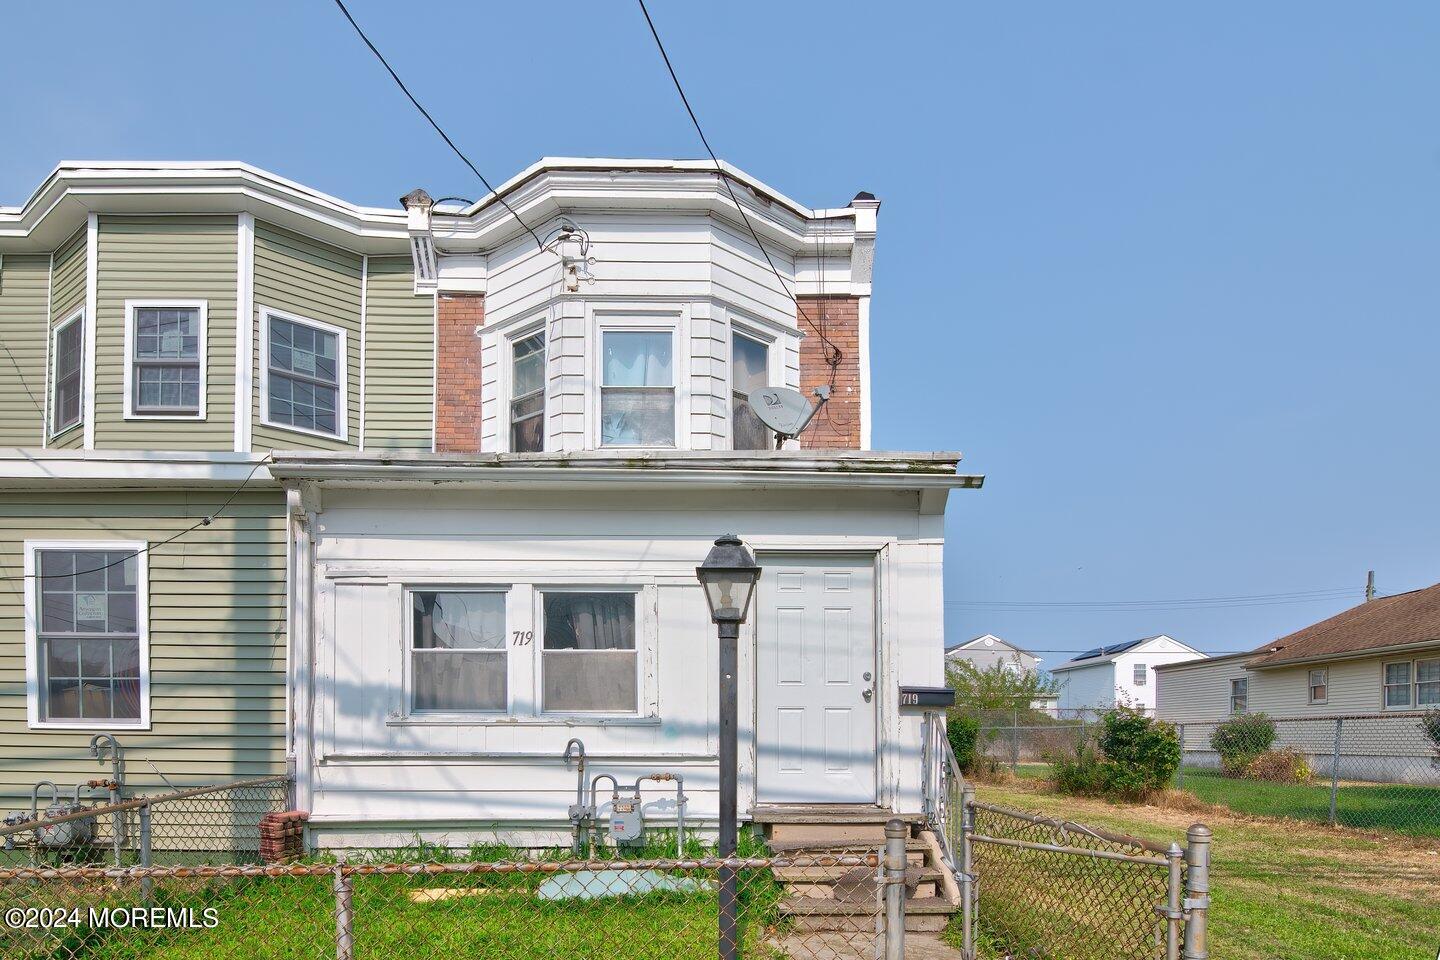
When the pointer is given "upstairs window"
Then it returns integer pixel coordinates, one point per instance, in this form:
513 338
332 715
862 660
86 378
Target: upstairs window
1142 674
749 372
527 394
588 662
1239 695
637 391
88 640
304 373
457 650
164 362
68 355
1319 684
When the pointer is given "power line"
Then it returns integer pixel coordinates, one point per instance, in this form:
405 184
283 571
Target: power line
1176 604
835 353
443 135
204 521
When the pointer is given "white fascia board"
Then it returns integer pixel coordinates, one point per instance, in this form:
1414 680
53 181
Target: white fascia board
24 468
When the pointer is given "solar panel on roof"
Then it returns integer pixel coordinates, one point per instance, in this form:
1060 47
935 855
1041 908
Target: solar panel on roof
1109 651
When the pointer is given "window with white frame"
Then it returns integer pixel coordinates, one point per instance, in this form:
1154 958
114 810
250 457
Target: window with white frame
1239 695
1318 683
637 388
749 372
88 642
67 374
458 651
1397 686
1142 674
527 394
165 359
589 662
1427 683
304 373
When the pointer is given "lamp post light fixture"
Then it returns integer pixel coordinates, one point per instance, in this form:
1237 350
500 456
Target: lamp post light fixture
729 575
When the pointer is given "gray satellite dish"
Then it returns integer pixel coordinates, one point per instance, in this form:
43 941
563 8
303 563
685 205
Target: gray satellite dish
785 411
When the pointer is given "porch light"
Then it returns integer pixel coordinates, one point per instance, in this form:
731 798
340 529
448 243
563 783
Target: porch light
728 574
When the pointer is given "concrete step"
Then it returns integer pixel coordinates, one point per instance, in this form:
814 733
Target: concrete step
785 848
807 914
828 813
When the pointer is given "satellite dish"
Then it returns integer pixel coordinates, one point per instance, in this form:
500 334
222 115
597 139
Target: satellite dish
783 410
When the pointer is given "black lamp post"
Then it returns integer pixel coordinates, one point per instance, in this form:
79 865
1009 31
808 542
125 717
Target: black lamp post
728 575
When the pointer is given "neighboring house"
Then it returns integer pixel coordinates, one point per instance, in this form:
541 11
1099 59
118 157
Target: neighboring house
1382 656
1122 674
984 652
482 472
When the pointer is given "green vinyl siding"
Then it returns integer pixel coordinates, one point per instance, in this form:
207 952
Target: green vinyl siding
315 281
217 638
67 294
399 358
24 288
154 258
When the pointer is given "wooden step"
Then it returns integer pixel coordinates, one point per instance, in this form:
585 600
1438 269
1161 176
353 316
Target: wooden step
828 813
808 914
785 848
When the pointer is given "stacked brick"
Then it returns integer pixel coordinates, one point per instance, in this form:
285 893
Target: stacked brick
282 836
837 425
457 372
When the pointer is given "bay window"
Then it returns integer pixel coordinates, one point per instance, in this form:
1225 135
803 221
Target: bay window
637 388
749 372
527 394
303 374
67 374
165 359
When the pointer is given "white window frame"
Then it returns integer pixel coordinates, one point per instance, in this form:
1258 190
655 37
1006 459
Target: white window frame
408 660
1385 686
641 651
52 395
342 373
32 632
1233 682
1415 681
1140 675
638 321
773 370
202 307
506 376
1310 684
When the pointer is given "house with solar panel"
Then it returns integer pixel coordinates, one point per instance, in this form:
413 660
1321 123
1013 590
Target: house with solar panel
1121 674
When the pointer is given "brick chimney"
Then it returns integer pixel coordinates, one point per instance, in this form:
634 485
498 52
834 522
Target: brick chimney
459 315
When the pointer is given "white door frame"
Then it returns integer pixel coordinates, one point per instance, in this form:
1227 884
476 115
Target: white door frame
749 774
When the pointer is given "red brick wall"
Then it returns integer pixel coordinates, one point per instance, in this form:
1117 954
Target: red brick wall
457 372
837 425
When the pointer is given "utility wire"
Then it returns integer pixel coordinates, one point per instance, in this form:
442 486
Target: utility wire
835 354
1119 606
438 129
204 521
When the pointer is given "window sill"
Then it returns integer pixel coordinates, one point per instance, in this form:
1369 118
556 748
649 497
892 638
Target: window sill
188 417
495 720
341 437
85 725
74 426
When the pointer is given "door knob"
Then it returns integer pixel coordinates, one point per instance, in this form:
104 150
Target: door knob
868 694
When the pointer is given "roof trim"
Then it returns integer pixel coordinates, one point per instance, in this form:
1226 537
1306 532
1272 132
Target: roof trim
1346 655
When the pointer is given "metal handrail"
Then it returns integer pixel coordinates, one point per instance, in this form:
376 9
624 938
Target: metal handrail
943 786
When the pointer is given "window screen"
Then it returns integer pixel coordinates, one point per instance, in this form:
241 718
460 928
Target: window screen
458 655
69 364
304 376
588 658
527 390
749 371
88 635
1319 685
637 392
165 362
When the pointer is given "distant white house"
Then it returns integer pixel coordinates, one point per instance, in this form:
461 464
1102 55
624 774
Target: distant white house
986 651
1120 674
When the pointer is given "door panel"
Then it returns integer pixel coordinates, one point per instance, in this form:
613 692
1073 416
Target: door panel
815 665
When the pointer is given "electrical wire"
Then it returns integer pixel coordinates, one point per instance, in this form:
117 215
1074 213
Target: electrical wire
835 354
204 521
1173 605
438 129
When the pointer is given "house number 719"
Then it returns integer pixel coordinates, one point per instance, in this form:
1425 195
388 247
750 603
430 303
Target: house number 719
522 637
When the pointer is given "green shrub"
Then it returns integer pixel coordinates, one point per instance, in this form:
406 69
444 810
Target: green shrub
1133 757
963 732
1241 739
1430 723
1280 766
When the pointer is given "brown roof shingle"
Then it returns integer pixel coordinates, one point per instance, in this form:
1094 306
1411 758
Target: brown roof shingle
1406 618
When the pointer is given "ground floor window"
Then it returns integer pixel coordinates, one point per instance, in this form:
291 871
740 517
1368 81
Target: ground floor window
588 659
1239 691
458 650
87 632
1319 683
1412 684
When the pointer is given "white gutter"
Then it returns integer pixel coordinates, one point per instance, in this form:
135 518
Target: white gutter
24 468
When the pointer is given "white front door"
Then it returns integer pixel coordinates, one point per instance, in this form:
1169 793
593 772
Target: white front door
815 680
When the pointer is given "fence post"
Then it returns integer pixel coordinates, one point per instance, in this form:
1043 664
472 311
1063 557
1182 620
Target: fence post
1197 892
896 833
1180 770
1335 769
344 916
1174 909
146 883
967 879
1014 740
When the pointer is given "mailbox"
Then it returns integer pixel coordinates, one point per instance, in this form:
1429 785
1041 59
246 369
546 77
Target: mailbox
918 699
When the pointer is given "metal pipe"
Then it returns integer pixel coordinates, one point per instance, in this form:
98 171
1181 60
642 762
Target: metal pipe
1197 893
896 833
146 884
116 786
1174 914
35 797
967 880
1335 769
344 917
680 800
578 812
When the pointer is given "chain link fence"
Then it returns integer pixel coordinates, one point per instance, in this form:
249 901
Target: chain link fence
524 908
1369 771
204 825
1025 740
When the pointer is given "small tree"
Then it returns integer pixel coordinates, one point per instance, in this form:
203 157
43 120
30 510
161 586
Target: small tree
963 732
997 687
1241 739
1133 757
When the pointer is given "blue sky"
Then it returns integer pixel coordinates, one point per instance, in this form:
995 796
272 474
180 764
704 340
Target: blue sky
1168 275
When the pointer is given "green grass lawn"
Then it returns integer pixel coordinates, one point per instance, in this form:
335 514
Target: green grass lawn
1385 807
1281 891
